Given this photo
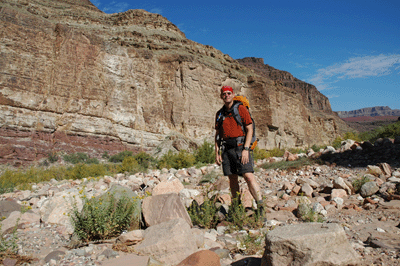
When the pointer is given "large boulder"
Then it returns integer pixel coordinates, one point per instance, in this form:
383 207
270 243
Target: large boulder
169 242
308 244
55 210
18 219
162 208
369 189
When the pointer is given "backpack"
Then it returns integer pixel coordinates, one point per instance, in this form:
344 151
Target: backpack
237 101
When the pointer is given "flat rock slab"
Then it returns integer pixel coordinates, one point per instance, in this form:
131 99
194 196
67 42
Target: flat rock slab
162 208
127 260
308 244
393 204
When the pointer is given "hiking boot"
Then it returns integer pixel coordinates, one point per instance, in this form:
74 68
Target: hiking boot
261 212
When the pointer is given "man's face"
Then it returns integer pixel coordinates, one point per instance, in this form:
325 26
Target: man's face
227 96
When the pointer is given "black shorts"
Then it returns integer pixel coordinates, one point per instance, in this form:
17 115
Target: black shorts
231 164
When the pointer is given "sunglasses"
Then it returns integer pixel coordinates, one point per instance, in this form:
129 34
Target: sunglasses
226 93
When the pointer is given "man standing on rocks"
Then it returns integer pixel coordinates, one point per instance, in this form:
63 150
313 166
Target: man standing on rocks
232 146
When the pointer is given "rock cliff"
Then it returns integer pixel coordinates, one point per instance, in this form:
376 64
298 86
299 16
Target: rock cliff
73 78
370 111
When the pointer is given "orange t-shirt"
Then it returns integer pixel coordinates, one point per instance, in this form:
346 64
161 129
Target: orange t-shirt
230 128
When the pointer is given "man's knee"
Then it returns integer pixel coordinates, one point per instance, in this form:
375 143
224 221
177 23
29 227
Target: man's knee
249 177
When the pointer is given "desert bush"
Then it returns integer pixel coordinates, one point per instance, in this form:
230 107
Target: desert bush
9 242
210 177
103 218
10 179
307 214
238 218
183 159
130 165
359 182
275 152
52 157
251 244
119 157
288 164
337 143
80 171
205 154
80 157
145 161
205 215
348 135
259 154
316 148
389 131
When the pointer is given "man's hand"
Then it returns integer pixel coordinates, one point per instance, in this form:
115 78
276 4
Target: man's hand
218 159
245 157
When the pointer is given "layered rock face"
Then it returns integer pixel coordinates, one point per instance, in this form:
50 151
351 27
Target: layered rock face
73 78
312 98
370 111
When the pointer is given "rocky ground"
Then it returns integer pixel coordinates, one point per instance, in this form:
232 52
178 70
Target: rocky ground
370 218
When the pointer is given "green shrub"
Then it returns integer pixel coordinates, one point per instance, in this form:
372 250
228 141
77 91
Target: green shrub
130 165
238 219
259 154
389 131
251 244
105 155
205 215
359 182
145 161
315 148
209 177
103 218
205 154
9 244
337 143
10 180
119 157
351 135
183 159
80 157
275 152
288 164
52 157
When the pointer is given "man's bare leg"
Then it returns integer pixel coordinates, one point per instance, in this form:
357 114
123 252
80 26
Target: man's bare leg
253 186
234 185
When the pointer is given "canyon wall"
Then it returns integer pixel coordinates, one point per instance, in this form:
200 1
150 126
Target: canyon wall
370 111
73 78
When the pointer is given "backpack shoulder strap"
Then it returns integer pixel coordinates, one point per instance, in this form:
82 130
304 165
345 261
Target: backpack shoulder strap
220 116
236 115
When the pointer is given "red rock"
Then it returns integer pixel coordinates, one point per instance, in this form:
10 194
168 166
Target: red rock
339 193
202 258
296 189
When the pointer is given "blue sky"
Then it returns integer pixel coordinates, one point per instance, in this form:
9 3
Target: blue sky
350 50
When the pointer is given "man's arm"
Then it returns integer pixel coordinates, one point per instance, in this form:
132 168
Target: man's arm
247 143
218 158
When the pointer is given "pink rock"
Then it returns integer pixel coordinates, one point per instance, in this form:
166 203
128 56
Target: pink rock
202 258
285 196
162 208
246 198
287 185
296 190
225 199
338 193
173 186
307 190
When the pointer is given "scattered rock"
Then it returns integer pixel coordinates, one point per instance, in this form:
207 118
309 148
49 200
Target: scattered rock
308 244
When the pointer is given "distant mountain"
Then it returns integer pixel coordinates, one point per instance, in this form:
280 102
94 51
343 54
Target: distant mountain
370 111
